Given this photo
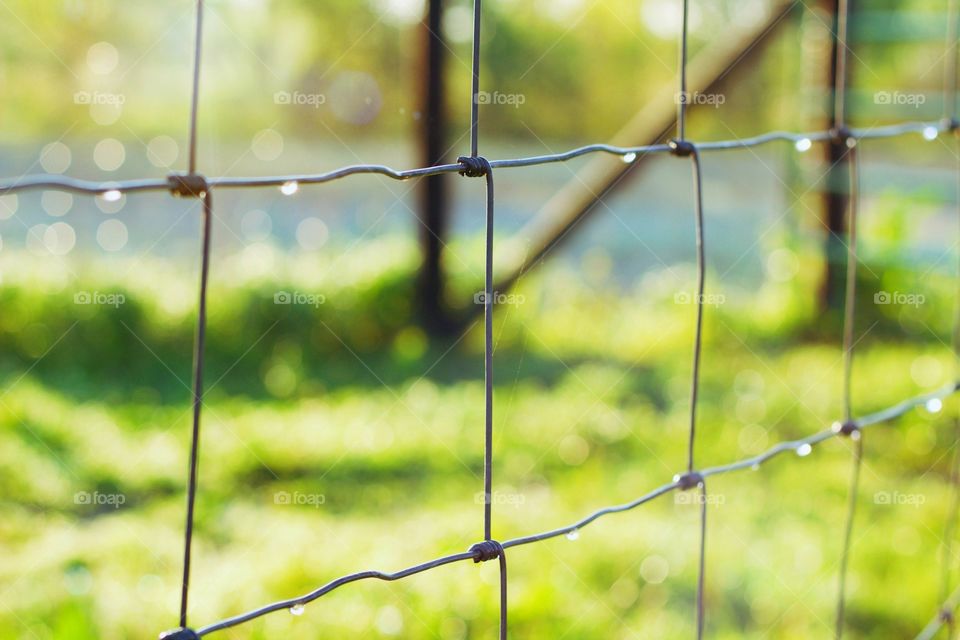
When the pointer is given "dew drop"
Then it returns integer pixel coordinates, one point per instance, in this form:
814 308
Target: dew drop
930 133
289 188
804 450
629 158
573 535
934 405
297 609
112 196
803 144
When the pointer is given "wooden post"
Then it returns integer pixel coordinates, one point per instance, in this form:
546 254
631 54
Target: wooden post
835 200
433 200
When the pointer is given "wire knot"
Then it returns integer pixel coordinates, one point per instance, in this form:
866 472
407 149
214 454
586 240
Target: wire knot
486 550
846 428
842 135
474 166
183 633
689 480
190 185
681 148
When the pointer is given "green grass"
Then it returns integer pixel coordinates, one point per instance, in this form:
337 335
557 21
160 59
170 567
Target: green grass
349 402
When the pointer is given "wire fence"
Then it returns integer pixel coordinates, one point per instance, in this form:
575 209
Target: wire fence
195 185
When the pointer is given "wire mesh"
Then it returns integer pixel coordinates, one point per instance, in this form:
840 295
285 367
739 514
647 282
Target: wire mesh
195 185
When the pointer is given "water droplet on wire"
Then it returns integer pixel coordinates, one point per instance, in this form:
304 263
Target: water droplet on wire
803 144
297 609
930 133
804 450
934 405
112 196
629 158
289 188
573 535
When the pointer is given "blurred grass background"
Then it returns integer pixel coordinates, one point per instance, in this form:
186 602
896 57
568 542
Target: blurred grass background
376 425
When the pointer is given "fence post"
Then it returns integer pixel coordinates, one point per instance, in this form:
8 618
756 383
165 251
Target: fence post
433 200
835 191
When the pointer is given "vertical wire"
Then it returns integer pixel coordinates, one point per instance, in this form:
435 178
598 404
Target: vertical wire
487 321
681 147
701 575
683 97
201 329
488 398
701 277
849 307
503 594
194 103
198 358
475 97
848 533
695 384
488 364
853 157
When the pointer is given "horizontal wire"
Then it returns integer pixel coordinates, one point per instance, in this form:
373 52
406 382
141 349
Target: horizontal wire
75 185
330 586
942 617
884 415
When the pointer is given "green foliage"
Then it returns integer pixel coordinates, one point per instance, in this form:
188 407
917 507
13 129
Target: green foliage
375 436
